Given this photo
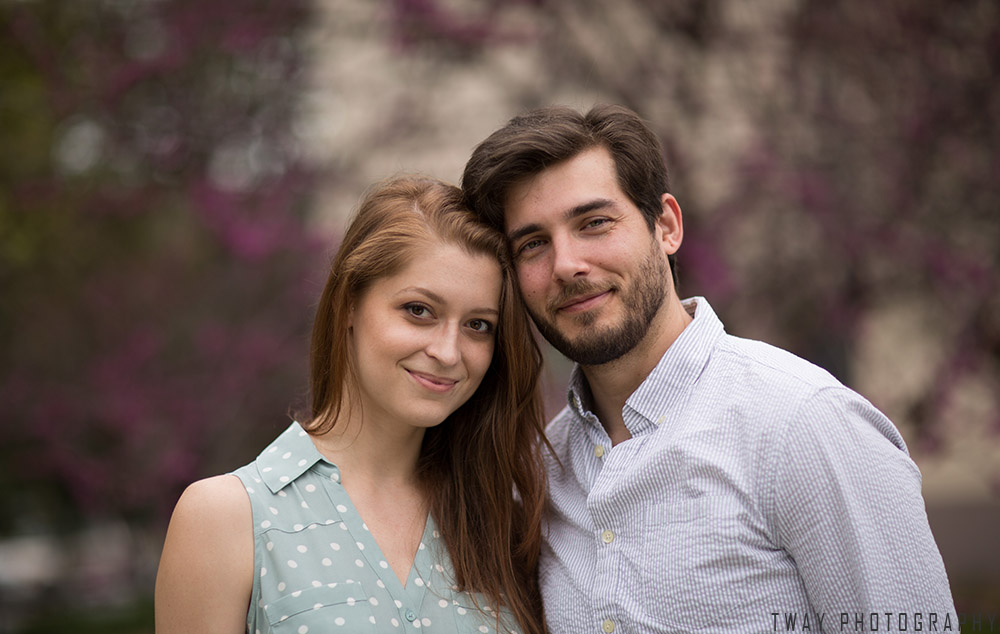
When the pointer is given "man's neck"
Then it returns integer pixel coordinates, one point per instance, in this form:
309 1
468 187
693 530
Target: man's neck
612 383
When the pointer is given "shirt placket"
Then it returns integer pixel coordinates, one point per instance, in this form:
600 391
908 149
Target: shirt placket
606 614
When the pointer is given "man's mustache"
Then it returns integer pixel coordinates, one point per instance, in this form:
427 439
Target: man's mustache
576 291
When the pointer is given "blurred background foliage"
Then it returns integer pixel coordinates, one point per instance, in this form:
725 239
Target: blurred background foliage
155 267
174 175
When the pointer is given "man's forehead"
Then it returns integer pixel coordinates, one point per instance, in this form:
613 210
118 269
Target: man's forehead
516 196
585 181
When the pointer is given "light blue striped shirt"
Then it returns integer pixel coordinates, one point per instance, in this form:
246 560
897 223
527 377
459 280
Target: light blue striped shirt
756 490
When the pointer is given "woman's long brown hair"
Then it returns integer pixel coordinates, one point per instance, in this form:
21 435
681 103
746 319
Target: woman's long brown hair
481 468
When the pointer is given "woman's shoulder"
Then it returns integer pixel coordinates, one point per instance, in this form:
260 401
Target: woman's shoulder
206 569
214 508
221 494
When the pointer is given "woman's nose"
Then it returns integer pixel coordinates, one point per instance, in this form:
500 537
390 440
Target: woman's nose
444 345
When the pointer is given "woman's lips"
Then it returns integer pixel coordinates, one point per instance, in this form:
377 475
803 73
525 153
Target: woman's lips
432 382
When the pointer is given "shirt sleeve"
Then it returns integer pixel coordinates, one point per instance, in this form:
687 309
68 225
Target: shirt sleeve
849 511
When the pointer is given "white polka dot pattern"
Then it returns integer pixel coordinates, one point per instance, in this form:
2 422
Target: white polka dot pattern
320 569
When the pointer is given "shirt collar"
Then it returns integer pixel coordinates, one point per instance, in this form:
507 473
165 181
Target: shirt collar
675 373
288 457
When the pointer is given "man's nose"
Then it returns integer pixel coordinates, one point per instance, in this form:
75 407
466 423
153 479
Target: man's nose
569 259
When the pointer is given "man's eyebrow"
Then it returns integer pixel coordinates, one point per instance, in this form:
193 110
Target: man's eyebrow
597 203
579 210
522 231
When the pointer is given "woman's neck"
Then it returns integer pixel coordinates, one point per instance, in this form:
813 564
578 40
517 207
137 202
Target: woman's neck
364 448
378 463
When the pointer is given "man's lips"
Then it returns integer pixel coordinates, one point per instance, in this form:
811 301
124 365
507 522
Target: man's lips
583 302
433 382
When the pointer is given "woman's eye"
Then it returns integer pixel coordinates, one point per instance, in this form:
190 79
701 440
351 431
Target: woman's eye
481 325
417 310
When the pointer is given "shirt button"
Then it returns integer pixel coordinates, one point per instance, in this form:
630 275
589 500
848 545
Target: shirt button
608 626
599 450
607 537
410 615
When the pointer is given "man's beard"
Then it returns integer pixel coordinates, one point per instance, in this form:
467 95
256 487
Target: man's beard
640 301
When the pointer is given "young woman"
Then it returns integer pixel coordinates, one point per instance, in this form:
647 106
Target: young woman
411 498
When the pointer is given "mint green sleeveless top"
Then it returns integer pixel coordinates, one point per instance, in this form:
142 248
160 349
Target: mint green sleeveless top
318 569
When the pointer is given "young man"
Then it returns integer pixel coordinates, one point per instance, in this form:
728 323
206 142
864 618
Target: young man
701 481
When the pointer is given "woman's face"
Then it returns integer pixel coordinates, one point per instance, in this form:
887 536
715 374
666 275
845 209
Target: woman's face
423 338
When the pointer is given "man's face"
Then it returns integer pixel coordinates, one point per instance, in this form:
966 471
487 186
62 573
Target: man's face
593 275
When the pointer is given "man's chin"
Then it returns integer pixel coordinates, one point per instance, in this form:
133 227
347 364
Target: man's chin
594 348
592 354
576 332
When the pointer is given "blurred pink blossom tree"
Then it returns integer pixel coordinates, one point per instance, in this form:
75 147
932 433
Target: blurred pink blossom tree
156 273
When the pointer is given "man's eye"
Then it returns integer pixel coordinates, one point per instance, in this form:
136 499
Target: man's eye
530 245
596 222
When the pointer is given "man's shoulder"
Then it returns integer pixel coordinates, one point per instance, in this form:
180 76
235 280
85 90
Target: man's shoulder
773 366
785 393
769 386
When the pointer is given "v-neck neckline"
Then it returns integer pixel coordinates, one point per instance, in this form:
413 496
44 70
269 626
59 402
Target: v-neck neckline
420 569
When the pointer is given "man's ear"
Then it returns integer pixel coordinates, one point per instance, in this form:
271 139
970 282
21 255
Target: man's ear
670 225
